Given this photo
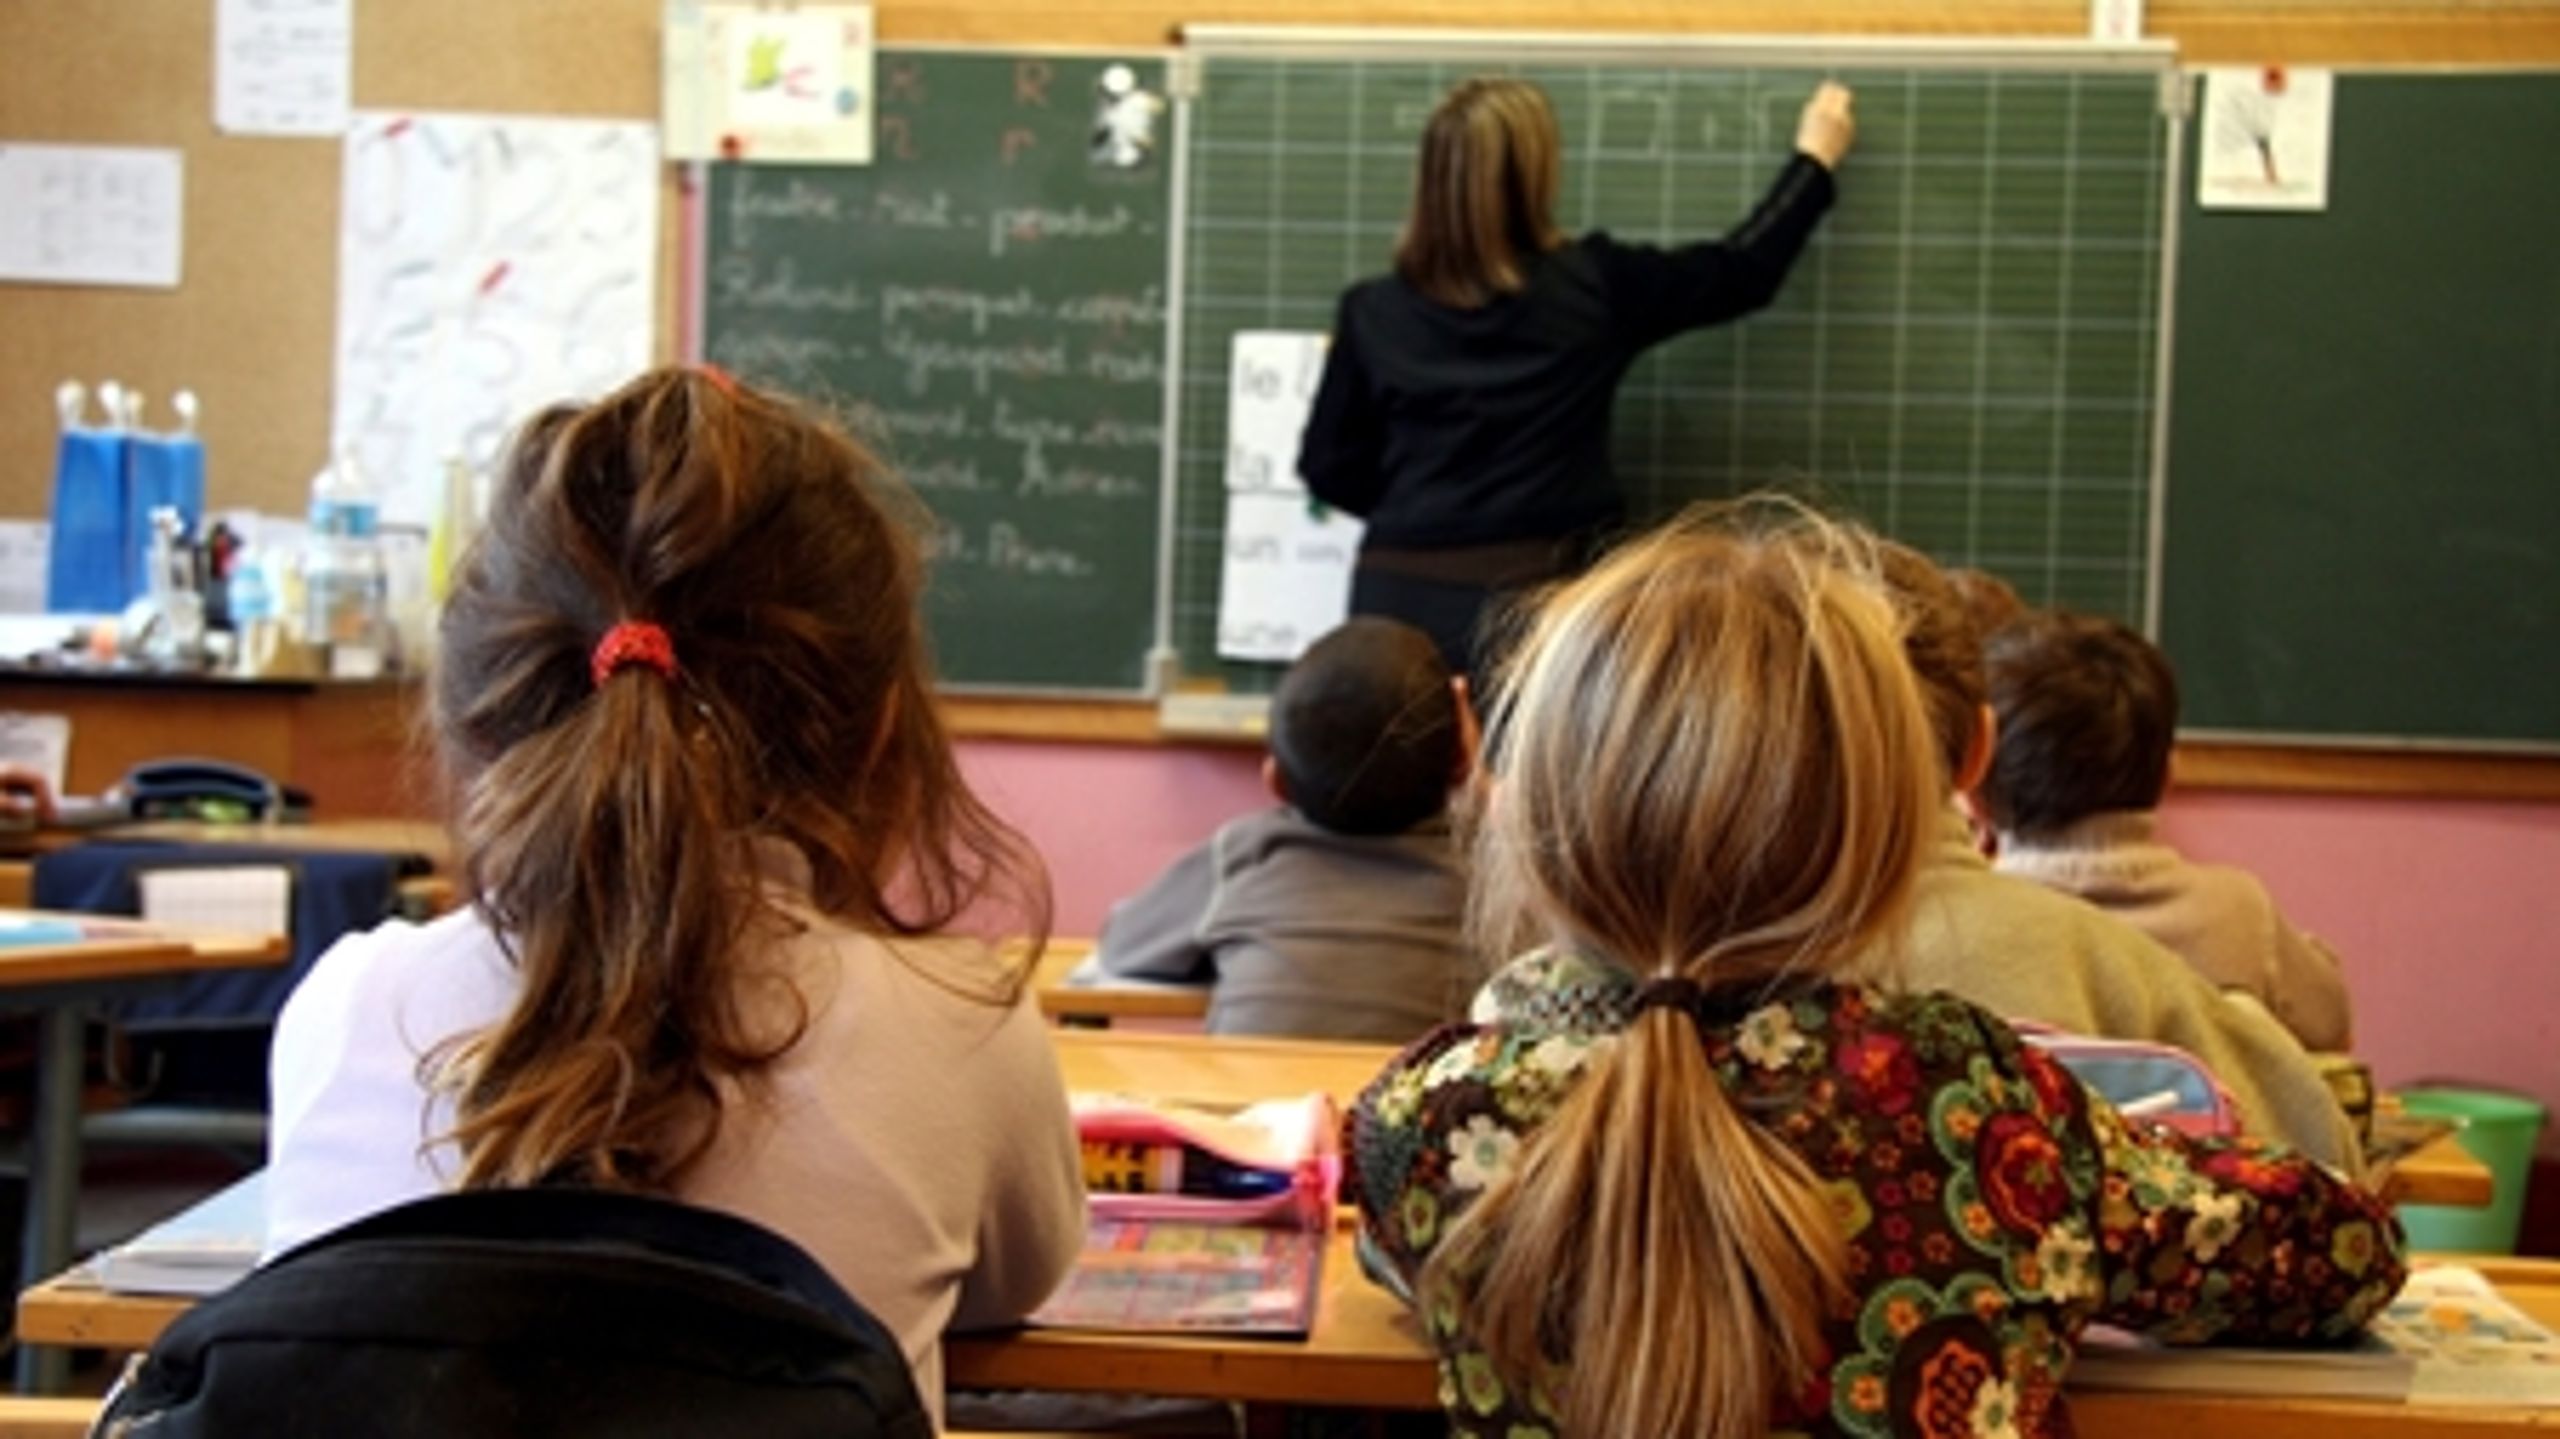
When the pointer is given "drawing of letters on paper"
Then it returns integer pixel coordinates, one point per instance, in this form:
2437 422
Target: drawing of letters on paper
281 67
91 215
488 265
1271 384
1286 575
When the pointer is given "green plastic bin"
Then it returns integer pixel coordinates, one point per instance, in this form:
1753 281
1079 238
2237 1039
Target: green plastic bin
2500 1131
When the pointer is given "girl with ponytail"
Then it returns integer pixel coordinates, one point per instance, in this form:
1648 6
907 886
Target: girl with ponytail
713 835
1693 1180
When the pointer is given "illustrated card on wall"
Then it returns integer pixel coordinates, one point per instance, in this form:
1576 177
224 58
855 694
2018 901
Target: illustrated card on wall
92 215
787 84
281 67
488 265
1286 575
2266 138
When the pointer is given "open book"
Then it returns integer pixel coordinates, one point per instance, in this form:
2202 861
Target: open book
2448 1338
200 1250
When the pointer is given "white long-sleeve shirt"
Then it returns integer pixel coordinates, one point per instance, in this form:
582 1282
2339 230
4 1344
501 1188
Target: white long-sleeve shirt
915 1141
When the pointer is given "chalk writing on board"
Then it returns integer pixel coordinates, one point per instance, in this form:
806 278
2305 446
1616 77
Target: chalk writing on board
987 309
487 265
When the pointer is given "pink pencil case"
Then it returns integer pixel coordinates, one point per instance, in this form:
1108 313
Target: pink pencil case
1294 1139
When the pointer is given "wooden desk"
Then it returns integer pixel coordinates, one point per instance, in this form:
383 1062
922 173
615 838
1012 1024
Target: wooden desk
422 838
57 982
2441 1173
1103 1003
1366 1349
1201 1069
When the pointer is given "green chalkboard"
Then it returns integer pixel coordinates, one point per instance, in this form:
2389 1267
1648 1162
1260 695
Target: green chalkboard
1967 356
987 301
2363 507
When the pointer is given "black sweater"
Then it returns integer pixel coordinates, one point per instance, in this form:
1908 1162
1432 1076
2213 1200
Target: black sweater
1444 427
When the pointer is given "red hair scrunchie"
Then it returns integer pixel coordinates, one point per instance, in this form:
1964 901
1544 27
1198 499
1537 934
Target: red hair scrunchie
632 642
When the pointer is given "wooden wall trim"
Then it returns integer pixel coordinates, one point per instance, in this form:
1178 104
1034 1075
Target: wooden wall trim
358 746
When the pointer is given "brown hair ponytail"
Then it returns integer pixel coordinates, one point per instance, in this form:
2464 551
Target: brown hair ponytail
616 831
1713 765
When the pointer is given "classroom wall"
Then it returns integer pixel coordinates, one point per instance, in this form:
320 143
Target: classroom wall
2444 912
2444 908
252 329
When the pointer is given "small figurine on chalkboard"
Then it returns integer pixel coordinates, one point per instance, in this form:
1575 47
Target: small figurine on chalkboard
1124 120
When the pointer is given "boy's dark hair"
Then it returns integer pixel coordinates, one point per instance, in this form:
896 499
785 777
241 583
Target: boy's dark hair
1364 728
1945 649
2088 710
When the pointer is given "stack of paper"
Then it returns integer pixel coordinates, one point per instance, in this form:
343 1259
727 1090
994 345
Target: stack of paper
2447 1339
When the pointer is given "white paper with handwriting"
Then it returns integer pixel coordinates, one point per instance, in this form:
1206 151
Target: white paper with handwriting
488 265
92 215
1286 575
281 67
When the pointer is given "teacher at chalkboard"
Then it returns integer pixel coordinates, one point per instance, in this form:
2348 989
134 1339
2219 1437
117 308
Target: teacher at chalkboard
1464 412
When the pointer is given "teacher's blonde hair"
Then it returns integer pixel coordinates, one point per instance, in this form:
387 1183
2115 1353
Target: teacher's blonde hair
1713 764
1484 193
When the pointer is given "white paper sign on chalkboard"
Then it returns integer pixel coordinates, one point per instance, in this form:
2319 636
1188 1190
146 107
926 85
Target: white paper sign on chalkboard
1286 575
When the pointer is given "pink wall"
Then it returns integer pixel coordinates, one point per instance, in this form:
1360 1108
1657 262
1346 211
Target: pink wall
2445 913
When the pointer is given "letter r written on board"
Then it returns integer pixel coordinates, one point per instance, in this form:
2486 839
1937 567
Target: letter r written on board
1031 83
1016 140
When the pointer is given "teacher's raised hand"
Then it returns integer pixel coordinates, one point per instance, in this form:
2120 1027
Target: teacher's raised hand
1828 128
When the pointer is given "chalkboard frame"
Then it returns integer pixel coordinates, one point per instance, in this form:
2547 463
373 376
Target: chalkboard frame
2156 58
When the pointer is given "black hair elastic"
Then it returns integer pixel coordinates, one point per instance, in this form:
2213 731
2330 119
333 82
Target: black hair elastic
1670 992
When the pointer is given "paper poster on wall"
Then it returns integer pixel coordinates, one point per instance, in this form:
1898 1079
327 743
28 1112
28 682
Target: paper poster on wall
1286 575
488 265
1285 578
2266 138
1271 384
26 549
281 67
92 215
39 744
779 84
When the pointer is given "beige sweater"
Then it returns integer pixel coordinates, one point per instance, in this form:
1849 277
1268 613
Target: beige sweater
2026 952
915 1141
2219 919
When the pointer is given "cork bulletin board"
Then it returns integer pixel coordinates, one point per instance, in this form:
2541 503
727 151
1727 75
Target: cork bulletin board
251 328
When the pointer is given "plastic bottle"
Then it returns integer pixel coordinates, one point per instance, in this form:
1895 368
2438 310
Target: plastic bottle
343 586
1113 1167
163 468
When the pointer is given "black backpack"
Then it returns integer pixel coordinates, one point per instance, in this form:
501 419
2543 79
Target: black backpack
534 1312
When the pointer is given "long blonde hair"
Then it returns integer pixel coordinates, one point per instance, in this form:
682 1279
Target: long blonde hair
1712 764
1484 193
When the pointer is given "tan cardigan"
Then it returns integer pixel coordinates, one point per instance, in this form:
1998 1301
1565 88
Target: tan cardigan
2026 952
2219 919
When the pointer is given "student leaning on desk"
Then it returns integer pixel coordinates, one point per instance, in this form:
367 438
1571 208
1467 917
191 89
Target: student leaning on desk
712 827
1748 1192
2028 952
